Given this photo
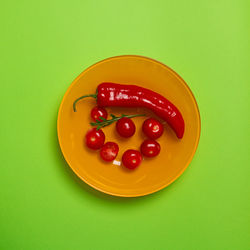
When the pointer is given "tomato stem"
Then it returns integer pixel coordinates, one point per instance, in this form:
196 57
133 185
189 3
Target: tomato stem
105 122
84 96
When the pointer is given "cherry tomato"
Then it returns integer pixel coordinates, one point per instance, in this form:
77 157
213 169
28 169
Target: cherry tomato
109 151
95 138
98 112
131 158
152 128
150 148
125 127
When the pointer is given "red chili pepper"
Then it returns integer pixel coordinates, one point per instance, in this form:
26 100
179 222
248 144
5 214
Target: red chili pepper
113 94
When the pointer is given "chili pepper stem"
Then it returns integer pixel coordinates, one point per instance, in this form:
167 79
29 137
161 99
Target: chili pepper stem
84 96
105 122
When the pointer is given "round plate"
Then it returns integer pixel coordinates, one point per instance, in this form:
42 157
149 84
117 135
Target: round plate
112 178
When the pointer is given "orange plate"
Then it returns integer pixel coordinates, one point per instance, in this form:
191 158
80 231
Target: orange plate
112 178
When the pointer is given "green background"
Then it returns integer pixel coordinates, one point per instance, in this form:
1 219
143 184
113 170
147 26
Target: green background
45 45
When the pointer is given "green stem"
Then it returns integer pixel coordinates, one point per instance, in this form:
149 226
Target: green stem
84 96
105 122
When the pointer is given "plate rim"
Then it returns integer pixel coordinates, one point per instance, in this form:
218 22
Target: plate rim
143 193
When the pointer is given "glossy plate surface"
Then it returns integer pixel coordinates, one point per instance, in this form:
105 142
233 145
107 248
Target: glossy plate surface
112 178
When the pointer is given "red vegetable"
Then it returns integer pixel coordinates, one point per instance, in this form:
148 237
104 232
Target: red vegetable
131 159
109 151
105 122
95 138
152 128
112 94
98 112
150 148
125 127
